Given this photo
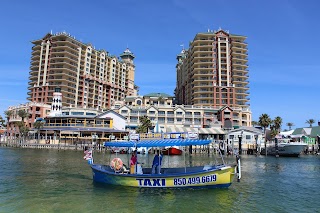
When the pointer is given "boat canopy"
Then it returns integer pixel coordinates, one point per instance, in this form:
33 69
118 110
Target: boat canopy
157 143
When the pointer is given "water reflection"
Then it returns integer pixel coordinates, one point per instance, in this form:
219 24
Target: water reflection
52 181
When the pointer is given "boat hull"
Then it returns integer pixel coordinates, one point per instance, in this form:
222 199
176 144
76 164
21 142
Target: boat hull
286 150
172 151
213 178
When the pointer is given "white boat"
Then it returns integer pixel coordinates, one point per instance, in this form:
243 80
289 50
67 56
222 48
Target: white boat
121 150
285 148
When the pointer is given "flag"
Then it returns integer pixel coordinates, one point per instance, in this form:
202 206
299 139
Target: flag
88 156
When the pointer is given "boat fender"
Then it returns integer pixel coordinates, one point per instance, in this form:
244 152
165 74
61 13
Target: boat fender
116 164
221 146
238 168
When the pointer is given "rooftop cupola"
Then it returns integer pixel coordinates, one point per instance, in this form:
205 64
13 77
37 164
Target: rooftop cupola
127 55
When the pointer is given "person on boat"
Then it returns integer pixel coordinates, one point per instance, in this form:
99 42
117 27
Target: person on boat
133 159
156 164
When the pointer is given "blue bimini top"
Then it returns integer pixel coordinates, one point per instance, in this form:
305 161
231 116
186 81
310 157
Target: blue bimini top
157 143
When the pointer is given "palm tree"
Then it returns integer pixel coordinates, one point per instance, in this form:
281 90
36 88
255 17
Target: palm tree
289 124
23 114
254 123
160 99
264 122
8 114
23 129
20 125
277 123
145 124
1 121
38 125
310 122
275 129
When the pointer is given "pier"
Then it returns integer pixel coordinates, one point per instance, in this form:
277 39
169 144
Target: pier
217 145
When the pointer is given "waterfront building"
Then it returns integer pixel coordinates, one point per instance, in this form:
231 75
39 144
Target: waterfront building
167 116
3 129
250 139
80 125
76 125
88 77
34 111
213 72
75 129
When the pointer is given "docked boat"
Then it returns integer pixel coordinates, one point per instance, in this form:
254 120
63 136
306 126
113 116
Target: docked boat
120 150
286 148
141 150
207 176
174 150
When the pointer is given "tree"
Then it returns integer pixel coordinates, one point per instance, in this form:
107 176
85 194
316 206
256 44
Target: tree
264 122
254 123
23 114
310 122
275 128
8 114
145 125
160 99
277 123
289 124
23 129
38 125
1 121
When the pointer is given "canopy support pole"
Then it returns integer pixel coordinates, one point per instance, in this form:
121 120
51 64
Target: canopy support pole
168 156
185 166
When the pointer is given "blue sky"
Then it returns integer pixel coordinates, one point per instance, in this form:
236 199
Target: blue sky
282 41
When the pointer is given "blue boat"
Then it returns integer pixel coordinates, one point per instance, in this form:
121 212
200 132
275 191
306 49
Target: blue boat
208 176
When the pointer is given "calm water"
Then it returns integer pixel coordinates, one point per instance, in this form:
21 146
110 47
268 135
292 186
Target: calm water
61 181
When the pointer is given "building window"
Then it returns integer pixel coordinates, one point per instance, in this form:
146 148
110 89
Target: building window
77 113
170 120
161 120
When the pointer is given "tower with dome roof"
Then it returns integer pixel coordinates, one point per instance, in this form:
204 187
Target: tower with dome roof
127 56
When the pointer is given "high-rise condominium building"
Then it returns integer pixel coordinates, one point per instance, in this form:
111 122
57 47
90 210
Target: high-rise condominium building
214 71
87 77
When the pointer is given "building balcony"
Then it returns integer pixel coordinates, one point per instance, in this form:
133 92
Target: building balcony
241 42
201 92
240 53
36 52
242 60
170 115
238 47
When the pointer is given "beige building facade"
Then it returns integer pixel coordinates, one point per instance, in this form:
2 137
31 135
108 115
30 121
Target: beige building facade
213 72
87 77
34 110
166 116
